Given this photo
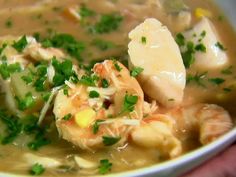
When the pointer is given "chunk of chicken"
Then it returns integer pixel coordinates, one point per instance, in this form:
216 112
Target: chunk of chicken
153 48
214 57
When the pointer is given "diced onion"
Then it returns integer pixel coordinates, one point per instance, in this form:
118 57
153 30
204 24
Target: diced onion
83 163
32 159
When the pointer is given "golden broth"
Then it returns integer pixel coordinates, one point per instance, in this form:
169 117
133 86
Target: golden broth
52 18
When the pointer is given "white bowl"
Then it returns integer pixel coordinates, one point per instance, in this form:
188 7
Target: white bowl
178 166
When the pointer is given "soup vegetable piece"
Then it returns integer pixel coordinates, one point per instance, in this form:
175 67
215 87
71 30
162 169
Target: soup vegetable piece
93 89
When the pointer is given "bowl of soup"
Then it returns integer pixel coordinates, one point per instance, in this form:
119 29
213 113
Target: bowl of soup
115 88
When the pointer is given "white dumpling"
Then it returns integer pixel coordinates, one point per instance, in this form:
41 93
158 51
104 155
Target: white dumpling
153 48
214 57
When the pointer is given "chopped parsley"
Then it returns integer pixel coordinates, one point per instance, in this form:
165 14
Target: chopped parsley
129 103
2 48
106 24
67 116
89 80
143 40
63 71
94 94
203 34
21 44
102 44
7 69
105 83
27 102
8 23
109 141
105 166
197 78
96 126
67 42
188 55
117 66
27 125
13 127
217 81
227 90
86 12
27 78
227 71
220 46
136 71
180 39
200 48
37 169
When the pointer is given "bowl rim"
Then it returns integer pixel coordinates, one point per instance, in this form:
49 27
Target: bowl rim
224 141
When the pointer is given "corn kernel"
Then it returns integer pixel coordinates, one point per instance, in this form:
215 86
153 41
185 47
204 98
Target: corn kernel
200 12
85 117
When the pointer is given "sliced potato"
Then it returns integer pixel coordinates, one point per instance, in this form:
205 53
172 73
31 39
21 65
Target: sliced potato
153 48
214 57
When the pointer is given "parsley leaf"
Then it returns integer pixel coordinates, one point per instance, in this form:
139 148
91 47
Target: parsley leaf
2 48
67 116
220 46
200 48
117 66
67 42
180 39
37 169
86 12
105 166
129 103
6 70
197 78
109 141
102 44
227 71
21 44
94 94
105 83
88 80
26 102
217 81
96 126
143 40
136 71
106 24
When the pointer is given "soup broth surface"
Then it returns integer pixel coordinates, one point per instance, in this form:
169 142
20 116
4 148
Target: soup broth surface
30 17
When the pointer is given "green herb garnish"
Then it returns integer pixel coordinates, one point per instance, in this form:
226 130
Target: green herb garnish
220 46
129 103
105 166
96 126
136 71
67 117
37 169
86 12
105 83
106 24
27 102
109 141
21 44
197 78
217 81
94 94
102 44
117 66
143 40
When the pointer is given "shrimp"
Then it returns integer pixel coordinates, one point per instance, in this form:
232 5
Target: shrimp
163 131
92 119
209 120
